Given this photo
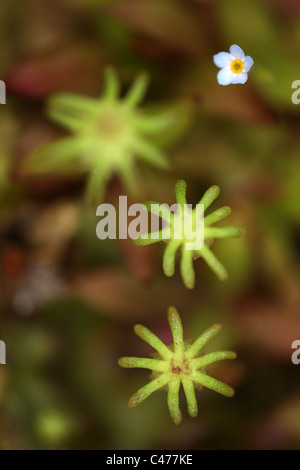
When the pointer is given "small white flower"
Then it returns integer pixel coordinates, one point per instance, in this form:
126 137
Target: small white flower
234 66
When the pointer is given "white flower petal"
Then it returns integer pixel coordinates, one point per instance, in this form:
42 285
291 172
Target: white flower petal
225 77
248 62
237 52
222 59
239 78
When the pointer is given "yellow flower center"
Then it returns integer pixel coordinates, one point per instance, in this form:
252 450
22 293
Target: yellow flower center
237 66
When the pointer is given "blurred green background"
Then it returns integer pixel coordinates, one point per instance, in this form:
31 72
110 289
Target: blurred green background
69 301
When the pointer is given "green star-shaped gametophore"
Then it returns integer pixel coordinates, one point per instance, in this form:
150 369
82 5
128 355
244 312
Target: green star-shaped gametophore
170 235
107 135
178 364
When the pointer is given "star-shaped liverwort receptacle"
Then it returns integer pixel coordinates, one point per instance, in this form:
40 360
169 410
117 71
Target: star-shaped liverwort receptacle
108 134
170 236
178 364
